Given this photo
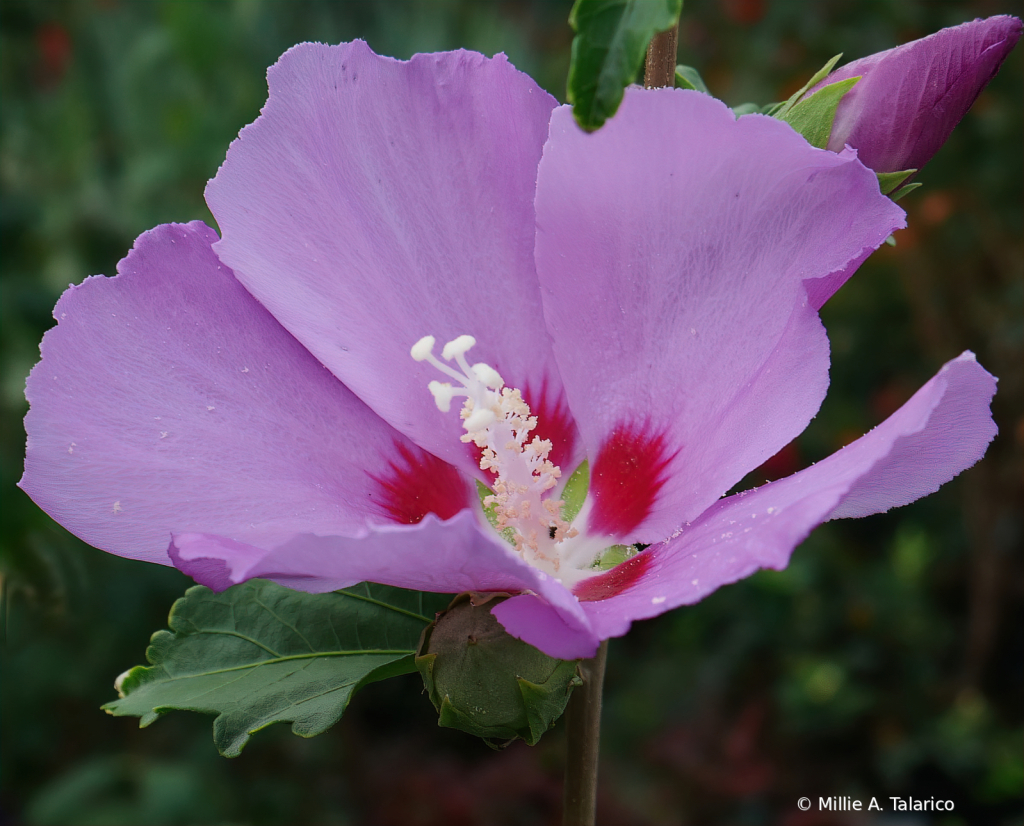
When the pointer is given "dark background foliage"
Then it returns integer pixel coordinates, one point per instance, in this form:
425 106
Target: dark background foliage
887 660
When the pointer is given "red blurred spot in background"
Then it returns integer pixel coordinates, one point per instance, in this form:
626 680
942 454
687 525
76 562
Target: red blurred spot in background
53 45
935 208
744 12
784 463
890 397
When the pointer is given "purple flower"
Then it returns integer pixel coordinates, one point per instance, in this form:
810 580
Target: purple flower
908 99
270 404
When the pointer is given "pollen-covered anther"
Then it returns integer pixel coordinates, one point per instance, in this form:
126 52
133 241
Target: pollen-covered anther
541 447
443 393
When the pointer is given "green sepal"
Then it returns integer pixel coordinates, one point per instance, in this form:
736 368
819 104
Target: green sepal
891 184
608 50
813 117
905 189
888 181
487 683
689 78
574 494
543 705
818 76
259 654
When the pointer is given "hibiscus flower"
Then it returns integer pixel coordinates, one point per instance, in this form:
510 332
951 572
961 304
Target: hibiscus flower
639 304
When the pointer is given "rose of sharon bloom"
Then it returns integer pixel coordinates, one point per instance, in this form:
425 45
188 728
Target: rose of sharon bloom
908 99
272 404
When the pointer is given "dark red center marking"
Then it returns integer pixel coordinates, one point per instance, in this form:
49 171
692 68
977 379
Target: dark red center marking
417 483
625 479
554 421
620 578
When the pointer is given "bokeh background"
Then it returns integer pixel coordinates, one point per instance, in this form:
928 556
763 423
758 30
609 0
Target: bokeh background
887 659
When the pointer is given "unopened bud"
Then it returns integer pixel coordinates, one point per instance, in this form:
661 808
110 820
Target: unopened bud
486 682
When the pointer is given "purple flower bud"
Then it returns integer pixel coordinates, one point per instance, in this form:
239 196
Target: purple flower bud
909 98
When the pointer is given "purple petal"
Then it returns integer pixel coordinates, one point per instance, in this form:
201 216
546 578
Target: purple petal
453 556
376 201
168 399
673 246
944 429
531 619
820 290
909 98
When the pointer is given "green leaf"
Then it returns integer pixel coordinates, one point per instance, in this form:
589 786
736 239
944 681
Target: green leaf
259 654
813 117
818 76
611 39
747 109
689 78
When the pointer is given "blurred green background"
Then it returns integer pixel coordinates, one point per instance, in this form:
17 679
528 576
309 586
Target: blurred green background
887 660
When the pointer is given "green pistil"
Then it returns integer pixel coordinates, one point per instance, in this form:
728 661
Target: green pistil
615 555
575 492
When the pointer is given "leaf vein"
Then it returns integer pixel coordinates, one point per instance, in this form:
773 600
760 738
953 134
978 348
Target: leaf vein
385 605
311 656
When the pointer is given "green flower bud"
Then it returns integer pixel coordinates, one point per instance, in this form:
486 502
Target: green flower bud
486 682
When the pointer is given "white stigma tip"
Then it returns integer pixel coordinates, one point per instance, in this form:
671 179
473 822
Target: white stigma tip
488 375
422 349
478 420
457 347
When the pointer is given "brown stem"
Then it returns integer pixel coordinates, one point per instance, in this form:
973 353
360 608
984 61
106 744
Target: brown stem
660 68
583 735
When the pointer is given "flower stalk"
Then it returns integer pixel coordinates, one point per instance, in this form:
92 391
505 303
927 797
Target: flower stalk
583 714
660 64
583 738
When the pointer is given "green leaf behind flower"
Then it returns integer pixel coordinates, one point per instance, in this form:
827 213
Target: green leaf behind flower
259 654
687 77
611 39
